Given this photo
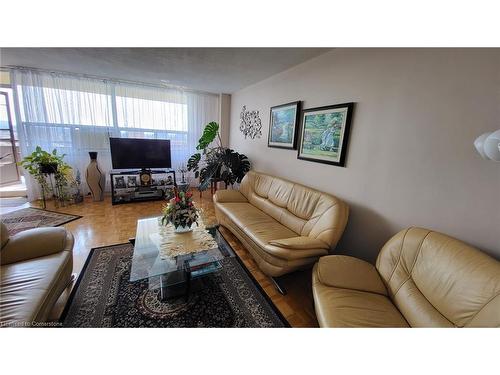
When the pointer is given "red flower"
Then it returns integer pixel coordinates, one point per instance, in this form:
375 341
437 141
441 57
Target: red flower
177 199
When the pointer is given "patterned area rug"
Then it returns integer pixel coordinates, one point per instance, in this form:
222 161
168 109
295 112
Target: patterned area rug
28 218
104 297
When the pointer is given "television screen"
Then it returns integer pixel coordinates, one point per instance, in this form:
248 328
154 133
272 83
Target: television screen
127 153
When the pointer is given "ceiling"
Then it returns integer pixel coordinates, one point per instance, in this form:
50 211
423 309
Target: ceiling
218 70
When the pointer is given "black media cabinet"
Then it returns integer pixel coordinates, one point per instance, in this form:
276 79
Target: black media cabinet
126 186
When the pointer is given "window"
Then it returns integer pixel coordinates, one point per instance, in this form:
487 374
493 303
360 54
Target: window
151 114
78 115
64 106
84 108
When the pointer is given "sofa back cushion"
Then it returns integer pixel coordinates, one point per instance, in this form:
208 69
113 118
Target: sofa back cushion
306 211
302 201
436 280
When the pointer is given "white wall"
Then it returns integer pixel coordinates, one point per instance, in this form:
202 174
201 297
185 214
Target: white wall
224 117
410 160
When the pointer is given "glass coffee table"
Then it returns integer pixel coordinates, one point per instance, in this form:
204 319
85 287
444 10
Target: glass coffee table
170 261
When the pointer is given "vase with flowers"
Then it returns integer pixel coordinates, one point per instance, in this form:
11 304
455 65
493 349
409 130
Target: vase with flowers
180 211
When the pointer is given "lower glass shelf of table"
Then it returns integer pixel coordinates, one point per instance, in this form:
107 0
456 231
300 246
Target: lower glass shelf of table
173 275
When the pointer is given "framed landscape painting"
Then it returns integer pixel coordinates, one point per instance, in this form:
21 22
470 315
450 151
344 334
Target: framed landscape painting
325 133
284 126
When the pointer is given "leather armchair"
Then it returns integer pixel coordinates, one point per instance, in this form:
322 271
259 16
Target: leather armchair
421 279
285 226
21 246
36 267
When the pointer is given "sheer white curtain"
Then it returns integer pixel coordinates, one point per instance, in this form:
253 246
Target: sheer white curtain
75 115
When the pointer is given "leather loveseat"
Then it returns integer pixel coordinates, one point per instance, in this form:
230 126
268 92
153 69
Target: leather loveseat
36 267
284 225
421 279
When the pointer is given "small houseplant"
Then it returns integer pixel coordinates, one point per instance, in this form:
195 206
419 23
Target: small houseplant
219 163
180 211
41 165
76 185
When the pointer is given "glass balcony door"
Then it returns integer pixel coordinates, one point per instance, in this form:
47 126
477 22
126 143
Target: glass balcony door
9 172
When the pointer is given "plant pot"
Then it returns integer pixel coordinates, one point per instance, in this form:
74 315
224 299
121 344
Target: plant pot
183 229
77 197
48 168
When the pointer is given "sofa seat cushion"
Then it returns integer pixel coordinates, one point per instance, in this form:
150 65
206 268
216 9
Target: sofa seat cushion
337 307
353 308
29 288
261 227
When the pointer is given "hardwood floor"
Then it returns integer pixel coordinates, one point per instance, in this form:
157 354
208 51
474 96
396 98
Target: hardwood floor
105 224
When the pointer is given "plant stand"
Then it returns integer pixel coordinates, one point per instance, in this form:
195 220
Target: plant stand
54 191
213 186
44 203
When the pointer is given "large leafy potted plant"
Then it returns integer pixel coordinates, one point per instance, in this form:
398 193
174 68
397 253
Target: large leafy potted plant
216 163
41 165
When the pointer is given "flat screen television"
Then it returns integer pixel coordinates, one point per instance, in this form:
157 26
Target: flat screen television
129 153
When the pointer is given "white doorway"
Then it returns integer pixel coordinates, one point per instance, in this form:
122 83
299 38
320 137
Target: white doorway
11 180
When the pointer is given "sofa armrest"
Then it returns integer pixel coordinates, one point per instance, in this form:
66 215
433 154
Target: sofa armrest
229 196
34 243
347 272
300 243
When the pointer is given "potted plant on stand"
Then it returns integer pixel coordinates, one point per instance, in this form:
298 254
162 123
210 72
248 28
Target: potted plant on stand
219 163
42 165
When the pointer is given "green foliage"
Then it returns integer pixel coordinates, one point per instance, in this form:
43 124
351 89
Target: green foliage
209 134
219 163
193 163
238 164
38 158
210 171
39 161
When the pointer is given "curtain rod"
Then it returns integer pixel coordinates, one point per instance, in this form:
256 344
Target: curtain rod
105 79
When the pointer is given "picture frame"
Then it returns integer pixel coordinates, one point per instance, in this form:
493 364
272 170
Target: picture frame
132 181
120 182
324 134
284 126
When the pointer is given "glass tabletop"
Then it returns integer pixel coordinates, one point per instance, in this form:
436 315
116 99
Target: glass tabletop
149 260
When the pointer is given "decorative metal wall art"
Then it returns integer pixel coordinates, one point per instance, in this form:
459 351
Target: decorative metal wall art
251 125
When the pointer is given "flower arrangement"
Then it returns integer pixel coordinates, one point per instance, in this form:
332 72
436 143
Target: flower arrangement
180 211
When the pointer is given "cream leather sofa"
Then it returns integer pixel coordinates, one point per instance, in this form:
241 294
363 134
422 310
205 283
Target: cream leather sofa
36 267
421 279
284 225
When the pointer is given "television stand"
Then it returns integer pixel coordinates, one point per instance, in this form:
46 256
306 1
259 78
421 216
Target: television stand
127 186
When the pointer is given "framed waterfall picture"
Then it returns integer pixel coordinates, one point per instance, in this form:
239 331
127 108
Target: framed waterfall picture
325 133
284 126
